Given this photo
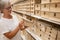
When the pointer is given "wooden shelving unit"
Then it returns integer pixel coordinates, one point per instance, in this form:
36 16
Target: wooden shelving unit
46 11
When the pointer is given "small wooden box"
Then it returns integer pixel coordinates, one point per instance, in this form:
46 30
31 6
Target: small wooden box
55 7
43 14
32 12
45 1
51 38
32 8
32 1
45 7
58 36
54 1
37 12
46 37
48 29
53 32
29 24
32 5
37 6
57 15
43 27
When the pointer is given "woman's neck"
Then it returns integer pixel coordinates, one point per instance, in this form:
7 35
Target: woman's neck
7 16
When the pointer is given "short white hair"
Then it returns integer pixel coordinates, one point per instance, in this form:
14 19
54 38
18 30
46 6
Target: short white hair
3 3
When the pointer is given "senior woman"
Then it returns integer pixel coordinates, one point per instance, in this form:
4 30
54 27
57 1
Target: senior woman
9 25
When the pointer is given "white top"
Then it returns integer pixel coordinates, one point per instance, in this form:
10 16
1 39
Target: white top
0 14
7 25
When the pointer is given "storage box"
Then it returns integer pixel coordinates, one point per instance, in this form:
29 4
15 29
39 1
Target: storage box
45 1
43 27
50 15
48 30
32 5
32 1
58 36
43 14
51 38
37 1
54 1
47 14
33 29
55 7
37 6
46 37
32 10
37 12
53 32
57 15
28 24
38 32
45 7
29 37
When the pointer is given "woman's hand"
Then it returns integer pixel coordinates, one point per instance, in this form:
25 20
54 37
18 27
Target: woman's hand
21 25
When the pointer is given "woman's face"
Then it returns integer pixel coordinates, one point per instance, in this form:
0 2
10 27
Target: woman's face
7 9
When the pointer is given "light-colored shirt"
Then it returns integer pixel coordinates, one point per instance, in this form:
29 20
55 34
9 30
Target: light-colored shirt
7 25
0 14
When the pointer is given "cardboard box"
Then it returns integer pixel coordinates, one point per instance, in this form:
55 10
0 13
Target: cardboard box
37 6
53 1
53 33
29 37
57 15
32 5
37 12
47 15
50 15
33 29
55 7
32 1
51 38
45 7
32 10
43 14
58 36
45 1
28 24
48 30
43 27
46 37
37 1
38 32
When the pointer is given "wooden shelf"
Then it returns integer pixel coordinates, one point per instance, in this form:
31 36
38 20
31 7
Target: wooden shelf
22 12
49 11
51 3
23 37
34 35
52 20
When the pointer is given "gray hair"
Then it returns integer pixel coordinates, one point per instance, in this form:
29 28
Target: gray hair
3 3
